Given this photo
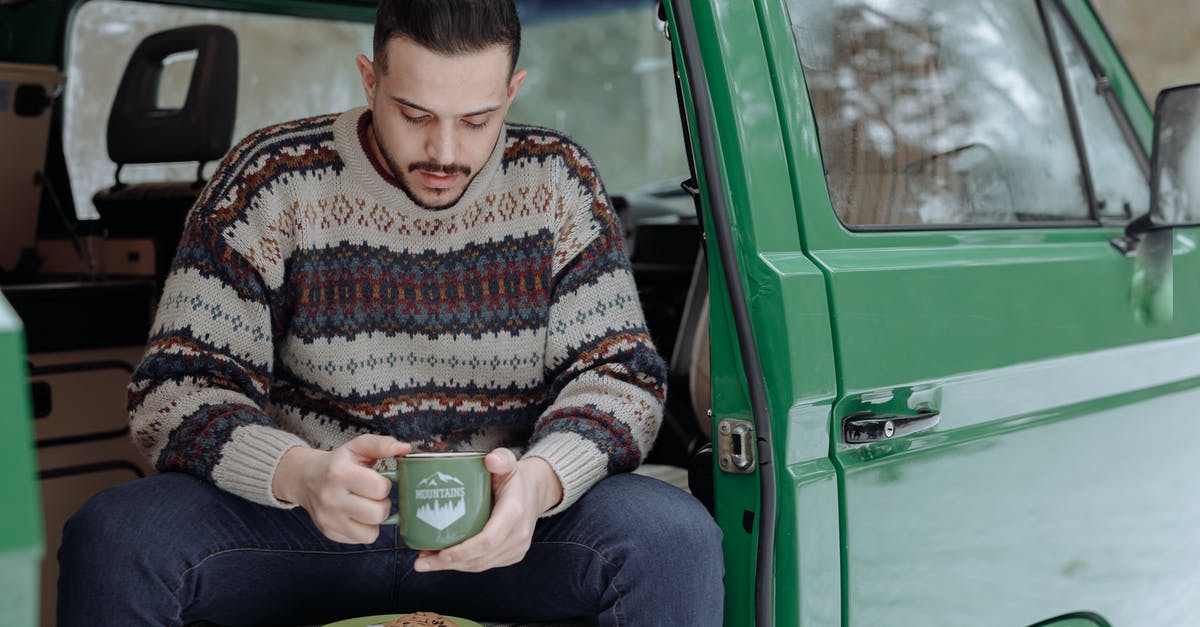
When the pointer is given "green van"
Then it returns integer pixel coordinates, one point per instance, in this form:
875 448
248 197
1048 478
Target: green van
926 273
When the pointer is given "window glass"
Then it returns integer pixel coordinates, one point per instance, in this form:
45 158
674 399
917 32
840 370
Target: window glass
938 112
605 78
288 68
617 100
1121 187
176 77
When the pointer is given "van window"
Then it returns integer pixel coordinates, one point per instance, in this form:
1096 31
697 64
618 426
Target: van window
939 112
1119 181
603 77
288 68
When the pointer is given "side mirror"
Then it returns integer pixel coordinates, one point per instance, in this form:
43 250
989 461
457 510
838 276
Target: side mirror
1175 162
1174 202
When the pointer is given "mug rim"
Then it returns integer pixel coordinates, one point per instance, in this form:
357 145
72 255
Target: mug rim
441 454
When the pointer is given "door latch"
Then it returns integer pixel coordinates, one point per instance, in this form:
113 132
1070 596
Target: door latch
735 446
867 426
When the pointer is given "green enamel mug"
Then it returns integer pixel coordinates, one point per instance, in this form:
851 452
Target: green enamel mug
443 498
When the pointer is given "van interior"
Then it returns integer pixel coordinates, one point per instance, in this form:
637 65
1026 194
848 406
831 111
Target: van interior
105 153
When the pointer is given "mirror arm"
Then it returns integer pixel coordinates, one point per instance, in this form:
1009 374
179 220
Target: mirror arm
1135 231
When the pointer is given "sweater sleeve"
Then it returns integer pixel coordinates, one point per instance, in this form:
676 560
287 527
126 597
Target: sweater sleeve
197 399
607 380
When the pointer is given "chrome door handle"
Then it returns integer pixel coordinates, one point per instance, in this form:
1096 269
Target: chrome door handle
866 426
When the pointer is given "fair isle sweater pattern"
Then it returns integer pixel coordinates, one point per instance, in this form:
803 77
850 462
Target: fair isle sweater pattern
310 301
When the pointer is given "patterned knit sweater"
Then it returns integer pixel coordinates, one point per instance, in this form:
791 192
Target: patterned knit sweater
311 301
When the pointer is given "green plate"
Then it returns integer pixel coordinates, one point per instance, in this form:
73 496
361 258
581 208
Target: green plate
383 618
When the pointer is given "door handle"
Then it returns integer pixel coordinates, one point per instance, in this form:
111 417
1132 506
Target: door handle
866 426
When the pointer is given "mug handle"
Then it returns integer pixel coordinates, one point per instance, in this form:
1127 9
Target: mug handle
394 519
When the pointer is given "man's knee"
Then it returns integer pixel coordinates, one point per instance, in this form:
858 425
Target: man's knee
661 523
126 520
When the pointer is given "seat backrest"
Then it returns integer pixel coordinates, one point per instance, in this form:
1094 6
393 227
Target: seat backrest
140 132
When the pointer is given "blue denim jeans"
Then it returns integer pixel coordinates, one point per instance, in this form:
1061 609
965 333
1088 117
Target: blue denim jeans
171 548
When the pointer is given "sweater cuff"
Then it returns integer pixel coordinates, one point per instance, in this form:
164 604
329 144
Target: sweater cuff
577 462
248 463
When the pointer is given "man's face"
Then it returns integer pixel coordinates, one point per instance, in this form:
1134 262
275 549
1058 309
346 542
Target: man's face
436 118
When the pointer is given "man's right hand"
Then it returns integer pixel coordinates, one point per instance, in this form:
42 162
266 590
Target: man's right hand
343 495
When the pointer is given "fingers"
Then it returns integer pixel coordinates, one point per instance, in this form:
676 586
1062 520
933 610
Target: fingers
477 554
349 531
367 483
370 447
504 541
351 518
367 511
348 500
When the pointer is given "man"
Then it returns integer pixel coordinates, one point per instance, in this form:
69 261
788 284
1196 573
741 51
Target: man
413 275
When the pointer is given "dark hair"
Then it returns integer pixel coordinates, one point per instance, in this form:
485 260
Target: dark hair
448 27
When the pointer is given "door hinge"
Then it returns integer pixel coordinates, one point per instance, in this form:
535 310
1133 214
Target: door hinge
735 446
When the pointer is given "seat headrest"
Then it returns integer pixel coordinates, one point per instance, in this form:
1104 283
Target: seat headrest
140 132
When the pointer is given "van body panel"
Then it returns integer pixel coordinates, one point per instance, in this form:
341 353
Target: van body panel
1026 340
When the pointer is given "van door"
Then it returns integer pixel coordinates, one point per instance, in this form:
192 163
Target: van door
1009 426
775 495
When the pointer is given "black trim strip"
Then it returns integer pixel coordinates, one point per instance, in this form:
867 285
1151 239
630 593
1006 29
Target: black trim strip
87 437
1064 84
764 609
83 469
1092 616
1072 223
81 366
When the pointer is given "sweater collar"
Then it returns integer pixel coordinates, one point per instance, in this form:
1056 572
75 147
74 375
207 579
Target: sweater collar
352 142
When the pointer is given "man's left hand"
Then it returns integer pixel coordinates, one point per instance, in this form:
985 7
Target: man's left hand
522 490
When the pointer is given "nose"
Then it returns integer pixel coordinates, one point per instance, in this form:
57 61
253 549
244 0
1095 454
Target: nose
441 144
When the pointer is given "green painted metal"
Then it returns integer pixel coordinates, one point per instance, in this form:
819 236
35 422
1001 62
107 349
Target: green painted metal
788 311
1027 342
738 495
21 537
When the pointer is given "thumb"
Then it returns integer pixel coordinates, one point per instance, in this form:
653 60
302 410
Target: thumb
501 461
372 447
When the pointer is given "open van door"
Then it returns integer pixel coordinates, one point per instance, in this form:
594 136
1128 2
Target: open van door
772 365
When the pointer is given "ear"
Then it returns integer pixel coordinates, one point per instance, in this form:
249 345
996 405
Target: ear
366 68
514 83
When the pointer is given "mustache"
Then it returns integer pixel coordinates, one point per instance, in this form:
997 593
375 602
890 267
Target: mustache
437 168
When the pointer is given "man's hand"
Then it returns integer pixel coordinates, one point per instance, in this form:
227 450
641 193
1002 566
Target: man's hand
343 495
522 490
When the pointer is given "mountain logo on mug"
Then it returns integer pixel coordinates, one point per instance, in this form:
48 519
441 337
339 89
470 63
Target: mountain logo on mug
442 500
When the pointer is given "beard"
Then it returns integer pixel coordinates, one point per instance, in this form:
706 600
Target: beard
399 173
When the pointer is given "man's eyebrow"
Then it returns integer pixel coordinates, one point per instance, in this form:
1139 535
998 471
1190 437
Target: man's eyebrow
413 105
